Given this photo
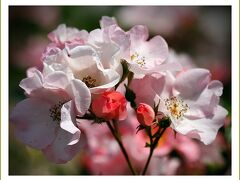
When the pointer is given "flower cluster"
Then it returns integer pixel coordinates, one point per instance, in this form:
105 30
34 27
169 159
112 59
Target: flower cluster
97 87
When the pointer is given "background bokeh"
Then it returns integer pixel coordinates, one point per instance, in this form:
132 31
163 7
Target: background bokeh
203 34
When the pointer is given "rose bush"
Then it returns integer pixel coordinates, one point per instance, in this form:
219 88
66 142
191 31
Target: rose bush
89 77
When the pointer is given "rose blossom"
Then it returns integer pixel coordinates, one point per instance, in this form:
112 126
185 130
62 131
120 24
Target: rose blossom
143 57
82 56
110 105
190 100
46 119
145 114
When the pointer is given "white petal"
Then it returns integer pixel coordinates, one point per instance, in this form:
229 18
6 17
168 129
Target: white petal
203 129
107 21
191 83
56 79
32 123
68 117
60 151
80 94
33 81
109 78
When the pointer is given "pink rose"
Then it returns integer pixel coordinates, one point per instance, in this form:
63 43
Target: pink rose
110 105
145 114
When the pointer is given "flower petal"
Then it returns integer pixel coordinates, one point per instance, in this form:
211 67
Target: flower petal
33 81
138 33
60 151
107 21
81 57
63 34
203 129
192 82
68 117
33 124
109 79
56 79
156 49
147 88
80 94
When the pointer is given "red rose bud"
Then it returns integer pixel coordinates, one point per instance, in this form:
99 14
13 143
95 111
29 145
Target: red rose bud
110 105
145 114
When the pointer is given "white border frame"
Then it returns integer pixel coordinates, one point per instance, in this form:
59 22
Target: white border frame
4 79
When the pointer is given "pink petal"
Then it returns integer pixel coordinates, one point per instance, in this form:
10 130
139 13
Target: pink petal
57 80
216 87
60 151
107 21
157 49
67 34
147 88
80 94
33 81
203 129
68 118
206 102
109 77
191 83
52 96
138 33
33 124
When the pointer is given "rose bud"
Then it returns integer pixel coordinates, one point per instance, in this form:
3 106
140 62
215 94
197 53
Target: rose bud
145 114
110 105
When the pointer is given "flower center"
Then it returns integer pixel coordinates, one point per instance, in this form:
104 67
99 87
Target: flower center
89 81
176 107
140 60
55 111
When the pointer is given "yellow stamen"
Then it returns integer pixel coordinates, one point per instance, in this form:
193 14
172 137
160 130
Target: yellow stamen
140 60
176 107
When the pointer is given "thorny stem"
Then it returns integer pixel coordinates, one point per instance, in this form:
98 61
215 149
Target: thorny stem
152 147
116 136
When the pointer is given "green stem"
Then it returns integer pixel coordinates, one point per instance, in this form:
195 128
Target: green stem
115 134
152 147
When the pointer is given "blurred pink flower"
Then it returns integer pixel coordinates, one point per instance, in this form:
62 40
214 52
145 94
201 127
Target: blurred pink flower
164 166
160 20
30 54
46 119
44 16
104 156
